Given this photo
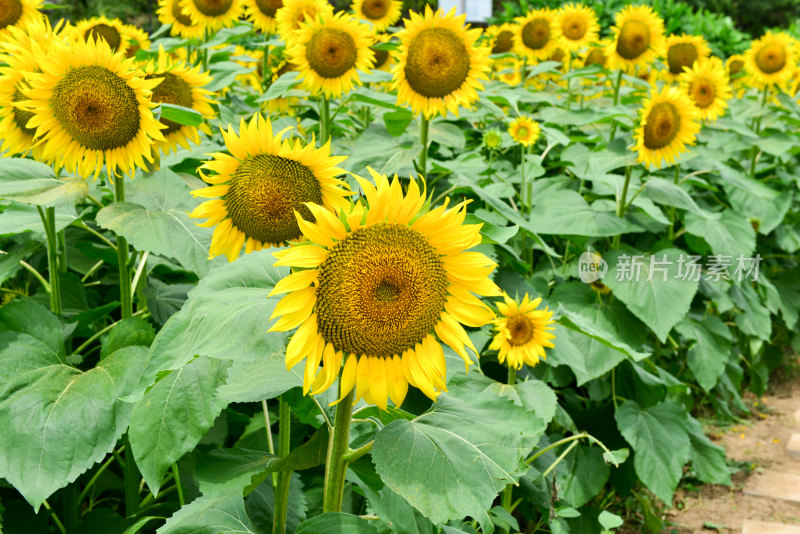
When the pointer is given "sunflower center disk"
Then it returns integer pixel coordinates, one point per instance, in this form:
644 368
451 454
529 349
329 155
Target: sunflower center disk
735 67
375 9
662 125
681 55
634 39
520 328
10 12
269 7
21 117
523 132
213 8
381 290
96 107
103 31
172 90
331 52
503 42
437 63
771 58
536 34
596 57
264 193
380 57
703 93
177 12
574 28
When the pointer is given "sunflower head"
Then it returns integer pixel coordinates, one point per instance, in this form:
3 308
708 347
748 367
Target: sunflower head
578 26
523 332
682 51
638 38
595 54
111 31
262 14
508 70
380 13
212 14
707 85
524 130
294 12
492 139
501 38
171 12
135 39
771 60
18 13
668 123
380 285
439 63
537 34
257 189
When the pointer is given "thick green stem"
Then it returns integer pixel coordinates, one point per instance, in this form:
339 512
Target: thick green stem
617 85
622 206
324 120
122 257
673 210
336 463
284 477
70 506
266 75
176 476
422 164
62 249
757 128
131 478
506 499
48 216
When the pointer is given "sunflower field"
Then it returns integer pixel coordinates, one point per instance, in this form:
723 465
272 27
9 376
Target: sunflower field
279 267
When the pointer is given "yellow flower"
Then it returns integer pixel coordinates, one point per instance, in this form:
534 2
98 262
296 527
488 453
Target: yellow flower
508 70
682 51
135 39
638 38
595 54
380 13
707 85
18 13
261 185
668 124
578 26
439 63
384 59
262 14
91 107
212 14
537 34
771 60
101 28
381 284
181 86
502 38
523 332
328 51
171 12
295 12
524 130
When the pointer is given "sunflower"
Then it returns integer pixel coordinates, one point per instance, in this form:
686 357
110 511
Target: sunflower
212 14
595 54
262 14
171 12
18 13
439 63
383 59
524 130
181 86
377 284
707 85
261 185
668 124
381 13
523 332
771 60
328 50
537 34
638 38
682 51
578 26
135 38
91 107
509 71
111 31
294 12
501 38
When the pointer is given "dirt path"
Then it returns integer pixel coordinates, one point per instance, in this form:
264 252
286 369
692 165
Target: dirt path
761 442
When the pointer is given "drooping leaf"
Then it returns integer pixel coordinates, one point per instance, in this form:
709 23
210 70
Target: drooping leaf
711 349
32 182
581 475
708 459
220 513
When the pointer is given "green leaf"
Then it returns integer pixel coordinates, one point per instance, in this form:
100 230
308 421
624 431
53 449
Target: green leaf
711 349
174 415
397 121
336 523
18 217
128 332
608 520
231 469
628 278
9 258
584 325
260 505
660 441
210 514
32 182
466 465
708 460
29 317
261 379
666 193
567 212
581 475
59 421
447 134
180 114
754 318
395 512
729 234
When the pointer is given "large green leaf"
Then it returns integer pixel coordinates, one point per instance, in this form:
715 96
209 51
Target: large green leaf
753 318
32 182
260 505
261 379
729 234
465 465
336 523
174 415
18 217
220 513
659 436
581 475
708 459
711 349
651 286
567 212
226 469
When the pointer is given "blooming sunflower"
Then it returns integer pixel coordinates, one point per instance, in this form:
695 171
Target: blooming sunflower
329 50
638 38
91 106
707 85
771 60
262 14
383 59
110 30
377 284
135 38
261 185
181 86
668 124
439 63
578 26
294 12
381 13
212 14
524 130
18 13
523 332
682 51
537 34
502 38
595 54
509 71
171 12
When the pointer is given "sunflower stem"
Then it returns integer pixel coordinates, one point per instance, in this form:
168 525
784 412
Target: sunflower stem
131 481
673 210
336 463
757 128
270 444
324 119
177 479
423 140
617 85
205 50
524 185
507 498
70 505
621 205
284 477
48 216
122 258
265 74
